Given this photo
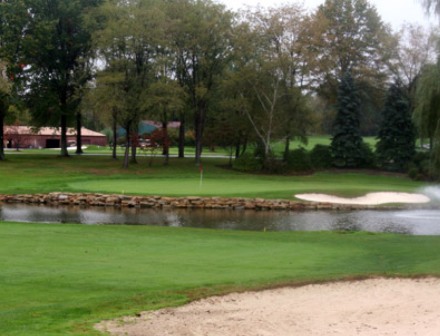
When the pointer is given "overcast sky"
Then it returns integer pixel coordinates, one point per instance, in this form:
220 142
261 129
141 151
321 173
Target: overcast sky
395 12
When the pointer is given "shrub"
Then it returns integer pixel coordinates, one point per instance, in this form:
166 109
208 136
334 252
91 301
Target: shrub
248 163
173 134
368 157
190 138
420 167
274 165
298 160
321 157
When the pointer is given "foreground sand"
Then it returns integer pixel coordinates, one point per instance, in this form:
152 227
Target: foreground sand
371 307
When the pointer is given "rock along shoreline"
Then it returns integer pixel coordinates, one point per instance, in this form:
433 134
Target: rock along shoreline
188 202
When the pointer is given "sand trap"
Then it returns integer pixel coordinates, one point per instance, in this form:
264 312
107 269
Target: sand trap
371 307
369 199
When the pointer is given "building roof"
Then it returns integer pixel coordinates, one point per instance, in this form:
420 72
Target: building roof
48 131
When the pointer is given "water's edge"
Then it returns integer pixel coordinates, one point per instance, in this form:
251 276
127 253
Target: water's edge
190 202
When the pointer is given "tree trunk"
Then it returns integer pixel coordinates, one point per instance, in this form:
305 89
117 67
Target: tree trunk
127 146
166 143
134 142
115 138
2 144
245 143
199 122
63 142
286 148
182 136
133 150
78 133
237 149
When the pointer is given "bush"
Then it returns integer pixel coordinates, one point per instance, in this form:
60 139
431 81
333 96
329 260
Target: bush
321 157
247 163
190 138
173 134
298 160
368 156
420 167
273 165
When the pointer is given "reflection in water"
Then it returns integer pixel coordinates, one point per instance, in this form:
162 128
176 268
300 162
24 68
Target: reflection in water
418 222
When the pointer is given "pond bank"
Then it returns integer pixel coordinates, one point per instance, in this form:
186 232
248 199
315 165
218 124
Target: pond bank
189 202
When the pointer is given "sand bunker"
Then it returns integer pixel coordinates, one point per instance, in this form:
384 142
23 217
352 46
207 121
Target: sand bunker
369 199
371 307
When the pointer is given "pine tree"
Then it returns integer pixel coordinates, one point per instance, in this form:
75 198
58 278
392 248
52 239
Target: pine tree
347 141
396 145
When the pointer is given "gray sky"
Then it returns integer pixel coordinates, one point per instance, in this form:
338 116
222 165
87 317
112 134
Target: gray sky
395 12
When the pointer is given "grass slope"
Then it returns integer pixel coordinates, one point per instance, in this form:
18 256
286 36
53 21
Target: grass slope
34 174
60 279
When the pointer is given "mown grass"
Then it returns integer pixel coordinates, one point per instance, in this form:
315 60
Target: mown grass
47 173
61 279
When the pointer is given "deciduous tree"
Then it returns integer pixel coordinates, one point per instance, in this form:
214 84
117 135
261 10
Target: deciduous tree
55 49
128 46
349 35
12 23
201 32
269 74
427 111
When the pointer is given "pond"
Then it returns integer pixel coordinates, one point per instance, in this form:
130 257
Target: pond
414 222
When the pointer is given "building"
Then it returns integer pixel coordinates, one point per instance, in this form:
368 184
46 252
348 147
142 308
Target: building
48 137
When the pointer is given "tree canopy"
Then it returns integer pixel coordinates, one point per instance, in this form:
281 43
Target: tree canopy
347 140
396 145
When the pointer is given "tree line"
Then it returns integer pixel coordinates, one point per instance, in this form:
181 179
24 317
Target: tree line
233 78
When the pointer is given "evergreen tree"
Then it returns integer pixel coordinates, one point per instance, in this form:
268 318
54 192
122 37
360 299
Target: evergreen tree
347 141
396 146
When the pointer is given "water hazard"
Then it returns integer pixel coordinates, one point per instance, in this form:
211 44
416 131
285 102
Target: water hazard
415 222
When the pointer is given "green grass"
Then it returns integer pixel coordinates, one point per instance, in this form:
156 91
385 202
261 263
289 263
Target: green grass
61 279
47 173
312 141
278 147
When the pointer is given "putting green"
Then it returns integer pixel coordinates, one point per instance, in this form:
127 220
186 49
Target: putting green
246 186
183 187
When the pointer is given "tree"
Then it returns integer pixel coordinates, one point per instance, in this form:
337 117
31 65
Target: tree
55 46
286 28
349 36
396 145
427 111
415 47
128 46
12 23
431 6
164 98
347 142
201 32
267 76
109 99
4 106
